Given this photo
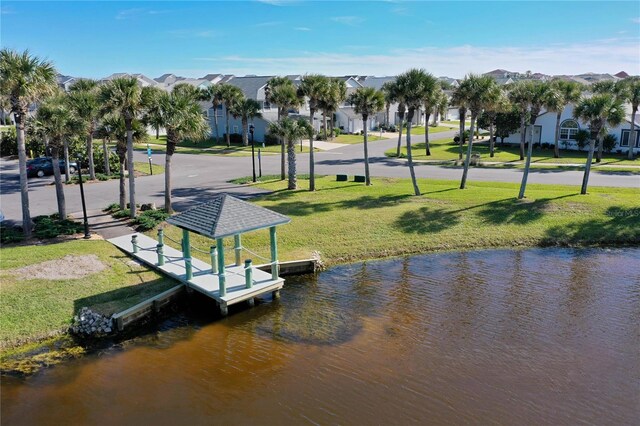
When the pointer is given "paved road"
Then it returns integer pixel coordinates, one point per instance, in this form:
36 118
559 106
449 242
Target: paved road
195 176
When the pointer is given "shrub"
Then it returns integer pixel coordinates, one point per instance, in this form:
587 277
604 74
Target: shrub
336 131
392 128
234 138
150 219
121 214
10 234
52 226
112 208
8 142
271 140
609 142
98 160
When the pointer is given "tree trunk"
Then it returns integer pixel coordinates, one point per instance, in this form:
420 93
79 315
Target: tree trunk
105 152
463 116
157 133
123 187
282 149
291 156
426 134
412 172
312 177
227 127
367 177
492 142
215 122
332 124
632 133
245 133
525 175
556 146
401 117
131 169
467 159
167 180
67 173
55 155
587 167
92 167
522 136
600 149
22 166
324 124
386 116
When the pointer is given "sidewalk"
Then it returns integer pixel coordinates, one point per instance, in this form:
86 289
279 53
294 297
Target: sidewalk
104 224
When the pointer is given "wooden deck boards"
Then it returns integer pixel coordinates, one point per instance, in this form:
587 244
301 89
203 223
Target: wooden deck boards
203 280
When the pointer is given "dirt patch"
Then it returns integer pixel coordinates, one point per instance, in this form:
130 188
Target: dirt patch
68 267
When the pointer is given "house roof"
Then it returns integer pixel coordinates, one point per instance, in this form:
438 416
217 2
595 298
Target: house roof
376 82
250 85
224 215
621 74
211 77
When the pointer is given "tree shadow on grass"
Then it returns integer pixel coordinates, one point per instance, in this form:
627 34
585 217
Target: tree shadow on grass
512 210
427 220
619 225
369 202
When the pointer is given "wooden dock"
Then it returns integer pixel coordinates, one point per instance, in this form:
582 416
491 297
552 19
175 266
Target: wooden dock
203 280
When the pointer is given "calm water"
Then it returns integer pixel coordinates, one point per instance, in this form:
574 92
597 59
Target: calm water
549 336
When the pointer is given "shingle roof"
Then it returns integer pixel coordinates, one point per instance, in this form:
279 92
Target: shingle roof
224 215
250 85
376 82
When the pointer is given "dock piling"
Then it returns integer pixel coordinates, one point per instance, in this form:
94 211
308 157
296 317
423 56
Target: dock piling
214 259
248 273
238 249
134 243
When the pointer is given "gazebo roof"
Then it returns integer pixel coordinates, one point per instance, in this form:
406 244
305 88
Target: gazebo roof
224 215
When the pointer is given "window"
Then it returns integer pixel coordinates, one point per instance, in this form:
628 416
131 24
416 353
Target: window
266 106
568 130
624 138
235 129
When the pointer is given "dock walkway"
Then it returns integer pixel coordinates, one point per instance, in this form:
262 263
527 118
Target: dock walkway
203 279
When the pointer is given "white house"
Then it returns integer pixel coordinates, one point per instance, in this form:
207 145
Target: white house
545 128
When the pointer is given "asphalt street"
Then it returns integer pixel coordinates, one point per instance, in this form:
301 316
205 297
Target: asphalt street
197 176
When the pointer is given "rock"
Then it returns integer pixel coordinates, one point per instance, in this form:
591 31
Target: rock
148 206
90 324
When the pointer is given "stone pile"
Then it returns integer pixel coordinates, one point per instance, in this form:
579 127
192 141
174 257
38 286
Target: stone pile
91 324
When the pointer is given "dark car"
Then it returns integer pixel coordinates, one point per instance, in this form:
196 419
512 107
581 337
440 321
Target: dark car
43 166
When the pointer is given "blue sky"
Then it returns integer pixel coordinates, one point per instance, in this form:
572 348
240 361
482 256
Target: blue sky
95 39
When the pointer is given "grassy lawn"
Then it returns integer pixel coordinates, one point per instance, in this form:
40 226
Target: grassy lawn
210 146
419 130
352 139
455 122
143 168
346 221
36 308
445 149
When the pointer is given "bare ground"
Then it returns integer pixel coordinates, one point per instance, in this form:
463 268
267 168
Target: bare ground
68 267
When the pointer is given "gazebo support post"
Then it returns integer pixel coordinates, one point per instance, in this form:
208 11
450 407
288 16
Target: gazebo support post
221 276
274 253
238 249
186 253
213 252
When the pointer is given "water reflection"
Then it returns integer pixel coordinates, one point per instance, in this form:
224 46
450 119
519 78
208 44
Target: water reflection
480 337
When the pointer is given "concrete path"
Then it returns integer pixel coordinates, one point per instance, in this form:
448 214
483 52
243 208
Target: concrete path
104 224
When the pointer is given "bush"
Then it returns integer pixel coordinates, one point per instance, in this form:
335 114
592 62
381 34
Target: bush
392 128
98 160
150 219
112 208
234 138
52 226
336 131
8 142
271 140
10 234
609 142
121 214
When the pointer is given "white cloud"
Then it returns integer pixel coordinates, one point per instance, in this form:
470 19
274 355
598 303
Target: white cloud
636 20
302 29
348 20
610 55
268 24
137 12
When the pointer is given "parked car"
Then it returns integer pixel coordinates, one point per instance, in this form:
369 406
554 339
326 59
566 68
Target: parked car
43 166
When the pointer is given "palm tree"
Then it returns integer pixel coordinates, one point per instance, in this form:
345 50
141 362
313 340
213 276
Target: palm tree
246 109
519 96
282 92
123 96
530 96
335 96
481 91
313 87
493 107
631 93
152 114
25 80
182 118
290 131
389 98
599 111
83 101
213 94
413 87
431 99
459 98
366 101
440 107
569 92
229 95
58 122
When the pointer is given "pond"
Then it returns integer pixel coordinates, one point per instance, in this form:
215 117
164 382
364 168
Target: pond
528 336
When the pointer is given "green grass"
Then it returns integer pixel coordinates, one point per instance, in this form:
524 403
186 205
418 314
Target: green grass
445 149
353 139
455 122
33 309
211 147
349 222
143 168
419 130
